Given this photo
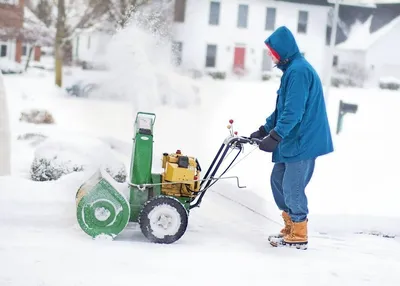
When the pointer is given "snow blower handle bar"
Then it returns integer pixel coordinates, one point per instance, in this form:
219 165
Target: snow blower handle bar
232 142
252 141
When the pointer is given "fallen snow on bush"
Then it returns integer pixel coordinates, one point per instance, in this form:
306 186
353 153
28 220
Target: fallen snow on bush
37 116
389 79
56 157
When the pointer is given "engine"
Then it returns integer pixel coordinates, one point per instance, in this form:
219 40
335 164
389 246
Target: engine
184 171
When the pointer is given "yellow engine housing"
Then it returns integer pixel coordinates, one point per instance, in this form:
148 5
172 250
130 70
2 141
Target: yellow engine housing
183 170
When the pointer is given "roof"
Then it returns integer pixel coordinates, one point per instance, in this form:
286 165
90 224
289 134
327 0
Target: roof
309 2
360 38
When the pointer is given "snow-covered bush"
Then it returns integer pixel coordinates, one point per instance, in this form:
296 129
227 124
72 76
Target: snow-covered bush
390 83
266 77
37 116
217 75
56 157
10 67
349 75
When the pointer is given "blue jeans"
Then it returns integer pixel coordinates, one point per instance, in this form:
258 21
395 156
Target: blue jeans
288 183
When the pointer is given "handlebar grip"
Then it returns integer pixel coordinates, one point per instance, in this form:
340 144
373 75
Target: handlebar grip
249 140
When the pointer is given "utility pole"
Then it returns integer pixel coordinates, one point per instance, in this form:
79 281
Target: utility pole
331 49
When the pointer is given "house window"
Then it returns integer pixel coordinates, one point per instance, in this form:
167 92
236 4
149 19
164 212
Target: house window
270 20
302 23
242 16
88 42
179 11
177 52
266 62
3 51
214 13
328 35
335 61
24 50
211 56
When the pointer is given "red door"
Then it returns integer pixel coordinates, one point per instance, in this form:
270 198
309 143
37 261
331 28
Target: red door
239 57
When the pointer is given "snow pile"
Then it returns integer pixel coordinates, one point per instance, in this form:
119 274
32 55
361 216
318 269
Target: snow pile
56 157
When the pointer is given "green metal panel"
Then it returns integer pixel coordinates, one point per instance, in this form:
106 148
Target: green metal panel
101 208
185 202
141 164
156 189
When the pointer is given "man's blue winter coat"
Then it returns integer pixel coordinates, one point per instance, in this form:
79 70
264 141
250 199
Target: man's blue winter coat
300 117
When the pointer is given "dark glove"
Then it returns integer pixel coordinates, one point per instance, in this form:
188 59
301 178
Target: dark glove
260 133
270 142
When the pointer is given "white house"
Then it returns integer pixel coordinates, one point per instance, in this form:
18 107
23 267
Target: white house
89 44
227 35
376 54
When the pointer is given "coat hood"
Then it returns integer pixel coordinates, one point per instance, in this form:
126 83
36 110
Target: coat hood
283 43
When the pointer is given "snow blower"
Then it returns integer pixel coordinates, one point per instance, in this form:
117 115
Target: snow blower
160 202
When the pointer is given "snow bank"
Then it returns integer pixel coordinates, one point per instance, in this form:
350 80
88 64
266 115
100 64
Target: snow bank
56 157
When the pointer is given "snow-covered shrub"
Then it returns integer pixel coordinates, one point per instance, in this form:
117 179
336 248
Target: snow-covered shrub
217 75
37 116
44 169
57 157
349 75
10 67
266 77
390 83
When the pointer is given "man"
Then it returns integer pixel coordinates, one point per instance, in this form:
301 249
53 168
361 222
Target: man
297 132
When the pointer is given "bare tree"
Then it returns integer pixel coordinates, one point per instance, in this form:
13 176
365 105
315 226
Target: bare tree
36 33
120 11
43 10
70 17
75 16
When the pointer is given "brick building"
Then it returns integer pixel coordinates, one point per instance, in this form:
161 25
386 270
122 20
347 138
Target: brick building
12 42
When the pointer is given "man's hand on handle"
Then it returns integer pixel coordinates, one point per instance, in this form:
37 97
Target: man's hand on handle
269 141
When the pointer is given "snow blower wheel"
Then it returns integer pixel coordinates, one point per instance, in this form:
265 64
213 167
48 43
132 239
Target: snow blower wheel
163 220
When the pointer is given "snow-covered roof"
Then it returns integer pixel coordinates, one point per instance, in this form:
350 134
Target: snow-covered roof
360 38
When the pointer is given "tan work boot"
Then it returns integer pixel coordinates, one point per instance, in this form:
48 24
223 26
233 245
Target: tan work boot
285 230
298 235
288 224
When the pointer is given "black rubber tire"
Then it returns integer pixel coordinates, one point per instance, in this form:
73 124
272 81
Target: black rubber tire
154 203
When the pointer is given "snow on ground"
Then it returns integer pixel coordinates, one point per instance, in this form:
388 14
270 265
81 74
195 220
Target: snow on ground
354 190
